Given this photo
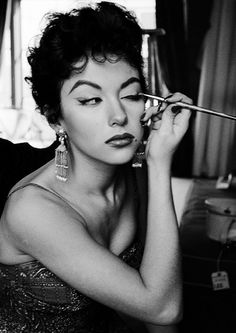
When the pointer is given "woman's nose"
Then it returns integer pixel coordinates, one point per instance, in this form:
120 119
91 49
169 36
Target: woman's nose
117 115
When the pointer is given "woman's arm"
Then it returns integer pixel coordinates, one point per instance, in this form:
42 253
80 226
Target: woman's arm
161 267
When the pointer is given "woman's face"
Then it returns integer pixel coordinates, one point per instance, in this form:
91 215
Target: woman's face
101 110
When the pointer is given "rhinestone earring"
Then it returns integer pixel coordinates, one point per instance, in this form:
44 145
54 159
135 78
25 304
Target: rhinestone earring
61 157
139 156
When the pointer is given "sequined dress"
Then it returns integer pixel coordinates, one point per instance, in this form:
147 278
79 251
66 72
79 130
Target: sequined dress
35 300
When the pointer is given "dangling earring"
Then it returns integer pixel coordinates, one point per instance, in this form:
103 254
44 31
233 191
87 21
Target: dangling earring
61 157
139 156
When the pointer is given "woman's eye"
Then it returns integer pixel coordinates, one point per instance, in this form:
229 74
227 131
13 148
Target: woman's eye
89 101
135 97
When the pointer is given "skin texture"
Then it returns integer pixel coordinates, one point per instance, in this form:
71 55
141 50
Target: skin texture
86 240
110 111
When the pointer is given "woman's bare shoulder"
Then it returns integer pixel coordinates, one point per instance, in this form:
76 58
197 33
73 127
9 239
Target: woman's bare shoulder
32 207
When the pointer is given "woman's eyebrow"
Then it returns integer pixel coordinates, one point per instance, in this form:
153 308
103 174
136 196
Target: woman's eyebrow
129 81
96 86
85 82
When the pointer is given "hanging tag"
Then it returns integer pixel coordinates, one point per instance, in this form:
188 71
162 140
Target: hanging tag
220 280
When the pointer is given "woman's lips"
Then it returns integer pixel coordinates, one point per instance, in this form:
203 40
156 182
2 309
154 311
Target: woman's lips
120 140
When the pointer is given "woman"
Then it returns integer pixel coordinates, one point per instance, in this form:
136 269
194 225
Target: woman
71 247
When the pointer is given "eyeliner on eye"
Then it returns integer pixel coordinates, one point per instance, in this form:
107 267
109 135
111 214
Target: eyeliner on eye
87 101
134 97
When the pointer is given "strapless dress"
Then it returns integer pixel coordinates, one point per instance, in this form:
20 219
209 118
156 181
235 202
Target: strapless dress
35 300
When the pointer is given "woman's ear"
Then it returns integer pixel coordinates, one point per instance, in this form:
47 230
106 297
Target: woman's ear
53 117
58 126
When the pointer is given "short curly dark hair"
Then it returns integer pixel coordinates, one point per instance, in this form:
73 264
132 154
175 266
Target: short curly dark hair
99 31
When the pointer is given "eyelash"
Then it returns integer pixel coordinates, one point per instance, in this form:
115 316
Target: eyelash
87 101
97 100
136 97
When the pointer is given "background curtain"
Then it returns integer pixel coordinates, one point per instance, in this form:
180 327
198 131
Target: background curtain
156 82
3 15
215 138
185 23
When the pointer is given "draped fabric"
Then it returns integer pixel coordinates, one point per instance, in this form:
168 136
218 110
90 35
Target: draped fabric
215 138
170 16
3 15
173 61
156 84
185 23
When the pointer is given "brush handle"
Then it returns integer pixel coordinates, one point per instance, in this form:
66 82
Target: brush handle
193 107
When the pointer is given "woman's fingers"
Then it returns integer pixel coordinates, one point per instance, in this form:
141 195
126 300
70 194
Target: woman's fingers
167 127
167 114
175 98
151 114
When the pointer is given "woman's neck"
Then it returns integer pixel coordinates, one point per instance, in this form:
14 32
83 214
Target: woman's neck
95 179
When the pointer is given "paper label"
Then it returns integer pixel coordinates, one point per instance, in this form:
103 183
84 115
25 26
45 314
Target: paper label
220 280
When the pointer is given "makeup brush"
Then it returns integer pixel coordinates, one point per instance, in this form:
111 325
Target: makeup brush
193 107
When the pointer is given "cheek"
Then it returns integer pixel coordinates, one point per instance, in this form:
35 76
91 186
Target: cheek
85 132
138 125
76 131
136 114
140 110
137 128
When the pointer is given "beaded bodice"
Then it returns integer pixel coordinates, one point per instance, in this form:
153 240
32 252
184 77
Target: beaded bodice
33 299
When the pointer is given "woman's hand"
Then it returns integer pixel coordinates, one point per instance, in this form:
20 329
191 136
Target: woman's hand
168 125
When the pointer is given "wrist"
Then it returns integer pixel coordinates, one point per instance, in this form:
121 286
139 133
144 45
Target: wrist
160 165
159 174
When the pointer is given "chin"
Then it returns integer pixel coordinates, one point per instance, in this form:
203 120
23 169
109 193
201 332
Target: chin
121 160
118 156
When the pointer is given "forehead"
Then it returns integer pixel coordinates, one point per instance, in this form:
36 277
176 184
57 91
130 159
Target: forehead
104 73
